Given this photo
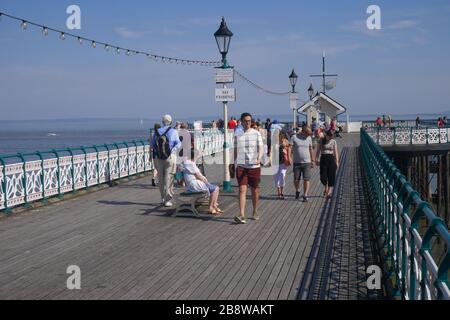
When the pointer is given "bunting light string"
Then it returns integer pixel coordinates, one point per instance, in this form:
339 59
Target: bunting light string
256 86
24 24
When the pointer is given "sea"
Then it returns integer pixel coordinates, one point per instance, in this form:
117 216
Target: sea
44 135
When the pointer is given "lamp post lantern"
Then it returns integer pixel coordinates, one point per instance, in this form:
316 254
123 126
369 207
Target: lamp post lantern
293 80
223 37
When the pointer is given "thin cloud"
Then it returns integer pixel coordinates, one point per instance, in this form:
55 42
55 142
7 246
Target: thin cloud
359 26
403 24
129 34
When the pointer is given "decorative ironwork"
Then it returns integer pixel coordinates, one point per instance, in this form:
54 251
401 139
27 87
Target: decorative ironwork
28 181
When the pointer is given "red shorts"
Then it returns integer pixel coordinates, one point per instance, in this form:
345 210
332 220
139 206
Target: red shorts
250 177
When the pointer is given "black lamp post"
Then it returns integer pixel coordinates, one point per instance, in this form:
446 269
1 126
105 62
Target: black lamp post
293 80
223 37
311 91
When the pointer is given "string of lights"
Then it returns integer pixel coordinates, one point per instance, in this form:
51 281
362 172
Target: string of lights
63 35
24 24
256 86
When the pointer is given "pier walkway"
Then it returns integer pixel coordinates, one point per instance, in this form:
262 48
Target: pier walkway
129 247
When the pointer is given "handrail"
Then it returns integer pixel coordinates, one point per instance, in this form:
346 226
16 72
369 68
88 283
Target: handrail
409 136
430 123
401 217
32 180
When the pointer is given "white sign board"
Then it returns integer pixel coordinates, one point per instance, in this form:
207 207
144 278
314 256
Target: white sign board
293 100
225 95
224 75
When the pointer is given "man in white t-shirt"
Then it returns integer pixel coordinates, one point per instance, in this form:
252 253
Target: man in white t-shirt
248 153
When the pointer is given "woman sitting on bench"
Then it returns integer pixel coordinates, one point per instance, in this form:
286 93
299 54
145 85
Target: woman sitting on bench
196 182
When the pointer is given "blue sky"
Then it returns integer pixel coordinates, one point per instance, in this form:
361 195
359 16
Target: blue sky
402 69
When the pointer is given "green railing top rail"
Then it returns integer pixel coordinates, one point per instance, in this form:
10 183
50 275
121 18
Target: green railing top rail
420 209
56 152
426 123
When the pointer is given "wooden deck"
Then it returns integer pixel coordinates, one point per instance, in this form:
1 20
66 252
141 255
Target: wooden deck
128 247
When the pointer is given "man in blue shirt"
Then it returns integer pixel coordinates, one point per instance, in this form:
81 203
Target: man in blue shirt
167 167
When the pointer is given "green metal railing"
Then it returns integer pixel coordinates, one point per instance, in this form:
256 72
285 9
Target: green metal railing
36 177
426 123
409 136
410 232
41 175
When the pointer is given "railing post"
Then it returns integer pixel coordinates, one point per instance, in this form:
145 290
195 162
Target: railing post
4 186
135 145
118 159
108 165
395 136
44 198
128 158
85 168
145 162
24 179
72 168
58 173
97 164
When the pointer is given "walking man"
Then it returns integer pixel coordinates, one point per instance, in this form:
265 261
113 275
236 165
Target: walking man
302 149
166 142
248 153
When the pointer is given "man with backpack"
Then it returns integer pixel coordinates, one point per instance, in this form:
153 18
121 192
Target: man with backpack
166 143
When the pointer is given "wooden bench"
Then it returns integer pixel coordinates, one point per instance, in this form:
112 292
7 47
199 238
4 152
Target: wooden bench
186 202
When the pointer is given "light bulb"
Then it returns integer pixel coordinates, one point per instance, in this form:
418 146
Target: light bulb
117 50
93 44
45 31
80 41
62 36
106 47
24 25
128 52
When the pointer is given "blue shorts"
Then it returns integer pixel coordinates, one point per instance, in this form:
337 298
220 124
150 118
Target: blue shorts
211 187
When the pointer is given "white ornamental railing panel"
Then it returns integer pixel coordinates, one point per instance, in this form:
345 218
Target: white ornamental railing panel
15 190
51 177
103 166
79 171
33 178
132 165
2 192
91 169
140 159
65 174
114 164
123 163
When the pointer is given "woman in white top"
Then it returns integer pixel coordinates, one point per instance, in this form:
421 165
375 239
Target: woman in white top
196 182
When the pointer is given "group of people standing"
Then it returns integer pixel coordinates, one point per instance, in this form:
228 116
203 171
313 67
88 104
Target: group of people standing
296 151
